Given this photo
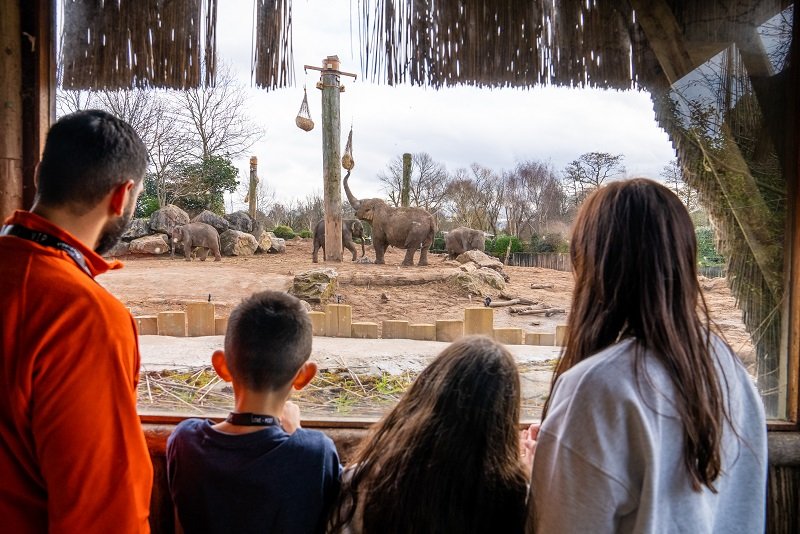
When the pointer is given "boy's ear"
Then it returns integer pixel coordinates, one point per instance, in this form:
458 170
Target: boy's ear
119 197
304 375
221 366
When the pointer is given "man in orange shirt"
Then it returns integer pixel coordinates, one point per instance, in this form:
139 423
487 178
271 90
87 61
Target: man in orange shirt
72 452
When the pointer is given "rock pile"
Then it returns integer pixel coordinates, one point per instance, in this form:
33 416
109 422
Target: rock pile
478 271
316 285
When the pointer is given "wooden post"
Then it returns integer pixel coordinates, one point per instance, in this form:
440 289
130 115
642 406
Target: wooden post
252 191
332 171
405 199
11 124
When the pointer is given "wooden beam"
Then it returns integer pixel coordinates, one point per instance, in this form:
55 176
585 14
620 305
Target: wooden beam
665 38
11 120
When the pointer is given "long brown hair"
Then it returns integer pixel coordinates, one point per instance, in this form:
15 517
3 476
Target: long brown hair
634 254
446 458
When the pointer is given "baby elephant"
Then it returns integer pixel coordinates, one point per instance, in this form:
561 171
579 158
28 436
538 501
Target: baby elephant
196 235
351 229
463 239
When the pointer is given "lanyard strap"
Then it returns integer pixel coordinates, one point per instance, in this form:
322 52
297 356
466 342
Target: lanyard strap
251 419
48 241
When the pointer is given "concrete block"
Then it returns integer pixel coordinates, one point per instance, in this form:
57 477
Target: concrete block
338 320
449 330
172 323
394 330
540 338
508 335
365 330
479 321
317 322
199 319
561 335
147 325
220 326
422 332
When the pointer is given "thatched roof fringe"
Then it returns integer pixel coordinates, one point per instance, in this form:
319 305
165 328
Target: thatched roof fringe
136 43
496 43
273 62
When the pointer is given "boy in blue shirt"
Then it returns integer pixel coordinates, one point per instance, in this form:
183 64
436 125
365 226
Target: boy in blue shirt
257 471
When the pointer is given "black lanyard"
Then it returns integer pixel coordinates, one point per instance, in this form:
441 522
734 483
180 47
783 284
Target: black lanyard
251 419
48 241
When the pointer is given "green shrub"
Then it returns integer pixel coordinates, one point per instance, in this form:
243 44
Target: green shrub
438 242
707 253
500 245
284 232
305 233
548 243
146 205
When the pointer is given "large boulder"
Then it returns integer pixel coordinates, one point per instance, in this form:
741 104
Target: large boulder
465 284
236 243
240 220
122 248
136 229
481 259
316 285
212 219
278 244
150 244
164 219
491 278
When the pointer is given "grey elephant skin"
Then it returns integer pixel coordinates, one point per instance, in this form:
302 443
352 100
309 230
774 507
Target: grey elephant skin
409 228
462 239
197 235
351 229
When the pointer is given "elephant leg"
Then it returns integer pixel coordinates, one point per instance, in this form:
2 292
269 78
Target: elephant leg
314 252
380 249
202 253
409 259
215 249
351 247
423 256
363 253
187 249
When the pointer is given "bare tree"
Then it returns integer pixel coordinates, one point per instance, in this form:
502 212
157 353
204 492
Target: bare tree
476 197
217 119
429 180
673 178
533 197
590 170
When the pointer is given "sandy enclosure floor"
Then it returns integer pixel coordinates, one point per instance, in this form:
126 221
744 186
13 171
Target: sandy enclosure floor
152 284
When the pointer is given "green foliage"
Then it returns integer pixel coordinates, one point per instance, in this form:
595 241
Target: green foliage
548 243
707 253
305 233
146 205
498 246
284 232
438 241
200 186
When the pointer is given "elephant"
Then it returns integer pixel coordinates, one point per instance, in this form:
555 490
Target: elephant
351 229
409 228
196 235
462 239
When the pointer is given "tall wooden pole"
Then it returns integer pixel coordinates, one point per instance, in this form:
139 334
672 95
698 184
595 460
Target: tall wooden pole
331 144
11 124
405 199
252 191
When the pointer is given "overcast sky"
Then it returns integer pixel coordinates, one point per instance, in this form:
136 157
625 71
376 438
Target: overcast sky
496 128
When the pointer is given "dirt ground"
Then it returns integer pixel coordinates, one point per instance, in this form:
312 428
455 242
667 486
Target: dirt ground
149 284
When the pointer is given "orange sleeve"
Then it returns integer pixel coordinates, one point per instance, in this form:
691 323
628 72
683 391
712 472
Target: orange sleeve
88 438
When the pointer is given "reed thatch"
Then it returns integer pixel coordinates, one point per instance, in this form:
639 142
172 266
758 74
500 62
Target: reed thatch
137 43
273 63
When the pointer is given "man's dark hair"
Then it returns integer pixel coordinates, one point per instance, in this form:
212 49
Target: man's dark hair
268 339
86 155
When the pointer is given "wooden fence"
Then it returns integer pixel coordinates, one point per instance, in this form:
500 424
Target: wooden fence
561 262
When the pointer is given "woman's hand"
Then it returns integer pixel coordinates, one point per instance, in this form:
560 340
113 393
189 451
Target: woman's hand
527 445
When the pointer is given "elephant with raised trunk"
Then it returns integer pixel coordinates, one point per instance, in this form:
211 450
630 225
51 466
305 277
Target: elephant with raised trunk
351 229
196 235
462 239
408 228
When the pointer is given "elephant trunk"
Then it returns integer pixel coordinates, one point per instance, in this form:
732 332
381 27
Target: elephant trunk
350 198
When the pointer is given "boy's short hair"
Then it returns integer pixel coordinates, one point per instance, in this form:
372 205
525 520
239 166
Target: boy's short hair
86 155
267 341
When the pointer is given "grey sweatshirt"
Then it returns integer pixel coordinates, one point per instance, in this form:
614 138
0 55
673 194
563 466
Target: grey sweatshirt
609 456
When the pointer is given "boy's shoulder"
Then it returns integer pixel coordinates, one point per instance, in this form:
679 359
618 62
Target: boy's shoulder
312 440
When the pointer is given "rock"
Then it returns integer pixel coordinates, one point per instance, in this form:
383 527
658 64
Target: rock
480 258
163 220
384 298
236 243
491 278
316 285
240 220
465 284
307 306
258 230
211 218
136 229
469 267
151 244
278 244
365 259
122 248
450 263
264 241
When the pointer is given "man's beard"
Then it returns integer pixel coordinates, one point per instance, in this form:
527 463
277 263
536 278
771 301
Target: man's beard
113 230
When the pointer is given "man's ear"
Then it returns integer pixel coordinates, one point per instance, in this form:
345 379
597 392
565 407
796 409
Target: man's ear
304 375
221 366
119 197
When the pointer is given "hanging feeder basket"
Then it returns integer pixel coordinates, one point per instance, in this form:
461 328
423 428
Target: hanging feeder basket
303 119
347 159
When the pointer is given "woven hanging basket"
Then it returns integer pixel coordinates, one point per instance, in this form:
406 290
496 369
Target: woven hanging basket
347 159
303 119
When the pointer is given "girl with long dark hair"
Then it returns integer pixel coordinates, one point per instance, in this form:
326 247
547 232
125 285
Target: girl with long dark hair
652 424
447 458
